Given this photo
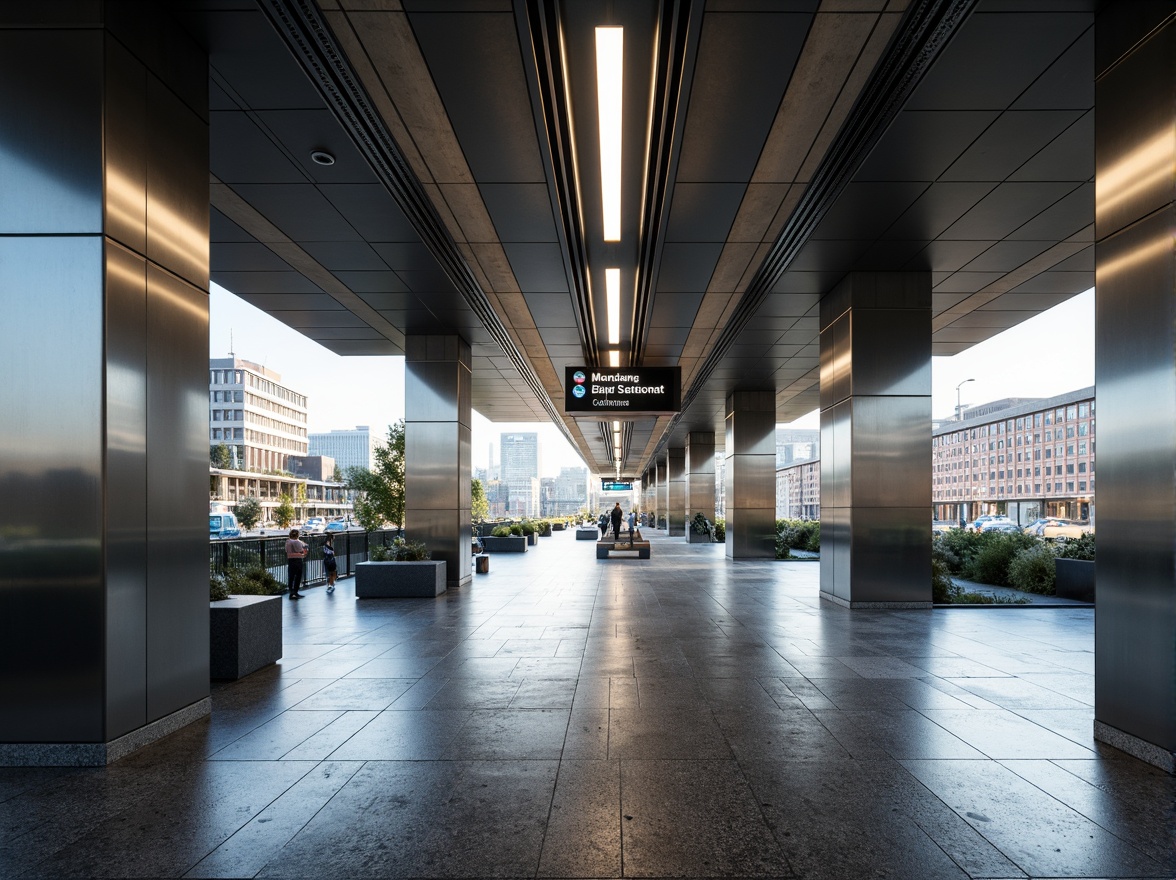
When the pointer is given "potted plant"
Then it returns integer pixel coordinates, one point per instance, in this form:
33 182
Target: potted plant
701 530
504 540
544 528
530 531
245 622
400 570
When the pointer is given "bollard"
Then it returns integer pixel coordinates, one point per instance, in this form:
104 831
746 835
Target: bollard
482 563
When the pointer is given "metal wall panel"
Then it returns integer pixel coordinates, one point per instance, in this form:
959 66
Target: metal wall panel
749 480
895 345
890 554
431 391
432 450
126 491
51 161
177 186
836 455
51 459
1135 662
700 475
125 144
751 533
891 449
177 493
752 479
676 490
835 548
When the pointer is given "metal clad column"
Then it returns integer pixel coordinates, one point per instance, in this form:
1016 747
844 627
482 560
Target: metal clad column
876 441
700 481
104 259
750 475
676 491
663 493
437 396
1135 373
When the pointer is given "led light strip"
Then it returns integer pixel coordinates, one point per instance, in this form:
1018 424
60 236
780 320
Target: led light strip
610 56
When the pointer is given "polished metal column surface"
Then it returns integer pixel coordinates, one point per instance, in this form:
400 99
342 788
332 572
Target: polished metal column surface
104 259
875 440
676 491
700 481
750 479
437 424
663 492
1135 337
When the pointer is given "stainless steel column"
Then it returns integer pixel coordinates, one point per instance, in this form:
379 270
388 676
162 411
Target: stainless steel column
663 492
1135 374
700 481
103 449
676 491
437 389
876 441
750 475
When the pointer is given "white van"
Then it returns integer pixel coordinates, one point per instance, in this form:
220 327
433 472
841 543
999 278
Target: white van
223 525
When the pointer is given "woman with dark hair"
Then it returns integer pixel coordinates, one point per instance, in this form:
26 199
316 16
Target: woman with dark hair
329 563
296 551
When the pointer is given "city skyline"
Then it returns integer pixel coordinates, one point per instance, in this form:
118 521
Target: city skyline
344 392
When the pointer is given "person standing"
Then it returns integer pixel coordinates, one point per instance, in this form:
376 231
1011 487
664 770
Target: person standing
329 562
632 524
617 515
296 551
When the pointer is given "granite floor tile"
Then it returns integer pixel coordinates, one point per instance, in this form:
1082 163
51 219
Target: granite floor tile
587 736
665 733
469 693
407 735
541 693
1000 734
1039 833
276 737
512 734
779 735
583 836
373 694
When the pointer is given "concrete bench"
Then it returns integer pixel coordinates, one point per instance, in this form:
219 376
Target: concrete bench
604 548
587 534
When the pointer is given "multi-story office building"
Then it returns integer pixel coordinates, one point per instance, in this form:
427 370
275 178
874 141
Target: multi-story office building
251 412
520 472
569 492
797 444
1030 459
310 497
798 490
350 447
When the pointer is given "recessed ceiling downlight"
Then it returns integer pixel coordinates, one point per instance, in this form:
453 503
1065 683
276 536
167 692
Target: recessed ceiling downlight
321 157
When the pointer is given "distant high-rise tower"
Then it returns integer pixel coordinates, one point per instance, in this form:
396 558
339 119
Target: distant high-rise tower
261 421
352 447
520 472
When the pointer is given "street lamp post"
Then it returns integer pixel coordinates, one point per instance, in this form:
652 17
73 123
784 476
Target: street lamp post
971 475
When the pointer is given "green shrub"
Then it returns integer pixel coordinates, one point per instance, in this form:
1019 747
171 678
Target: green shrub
1077 548
400 550
995 553
1032 569
721 529
217 588
700 525
959 548
516 529
501 532
944 590
255 581
528 527
813 545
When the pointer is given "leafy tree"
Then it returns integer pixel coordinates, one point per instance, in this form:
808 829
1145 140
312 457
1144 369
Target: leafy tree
479 506
337 475
220 456
248 512
284 512
380 492
300 499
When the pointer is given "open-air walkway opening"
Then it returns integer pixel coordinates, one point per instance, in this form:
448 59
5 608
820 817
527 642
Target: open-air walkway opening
565 716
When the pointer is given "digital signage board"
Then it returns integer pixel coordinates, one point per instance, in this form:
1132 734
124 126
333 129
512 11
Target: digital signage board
620 392
616 485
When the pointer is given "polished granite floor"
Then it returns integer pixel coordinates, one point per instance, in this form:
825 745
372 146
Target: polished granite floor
568 717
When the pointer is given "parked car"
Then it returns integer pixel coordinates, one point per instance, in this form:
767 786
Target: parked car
223 525
975 525
316 525
1053 529
998 524
939 526
336 525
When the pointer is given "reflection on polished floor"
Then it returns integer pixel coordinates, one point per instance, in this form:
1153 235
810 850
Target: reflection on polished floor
568 717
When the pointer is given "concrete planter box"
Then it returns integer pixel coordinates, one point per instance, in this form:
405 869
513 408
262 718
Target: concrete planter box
545 531
513 544
590 533
558 527
400 580
1075 579
244 634
693 537
532 539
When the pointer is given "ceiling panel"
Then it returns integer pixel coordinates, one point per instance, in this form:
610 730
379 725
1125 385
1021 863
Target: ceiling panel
354 256
521 212
703 211
371 209
675 309
299 211
1063 219
1002 149
550 309
242 283
687 267
372 282
940 205
304 131
240 152
922 144
1005 256
258 67
537 266
245 257
867 209
1070 156
1007 207
221 228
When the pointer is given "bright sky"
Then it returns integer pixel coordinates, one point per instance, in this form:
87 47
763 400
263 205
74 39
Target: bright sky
1049 354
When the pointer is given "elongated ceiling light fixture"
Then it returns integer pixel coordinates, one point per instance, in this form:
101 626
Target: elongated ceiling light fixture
612 300
610 56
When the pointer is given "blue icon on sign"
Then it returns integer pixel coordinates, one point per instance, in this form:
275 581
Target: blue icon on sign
578 377
579 391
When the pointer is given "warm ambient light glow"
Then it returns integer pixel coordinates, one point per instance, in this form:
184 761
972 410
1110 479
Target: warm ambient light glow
614 358
612 299
609 63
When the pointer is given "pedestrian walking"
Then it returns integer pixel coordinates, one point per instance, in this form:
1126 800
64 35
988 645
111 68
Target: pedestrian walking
296 551
617 515
632 524
329 562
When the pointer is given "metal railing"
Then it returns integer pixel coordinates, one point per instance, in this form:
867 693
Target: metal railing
351 548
